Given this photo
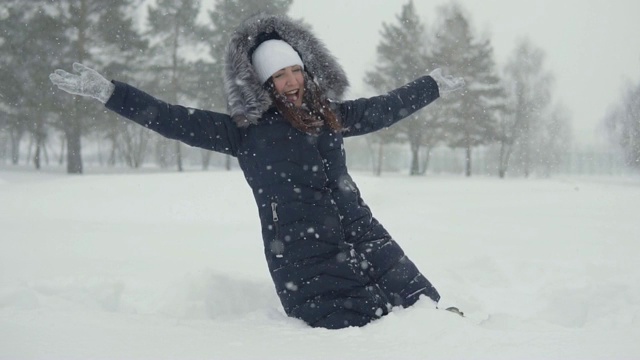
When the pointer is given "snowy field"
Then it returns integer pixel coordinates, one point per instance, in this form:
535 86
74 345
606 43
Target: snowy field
170 266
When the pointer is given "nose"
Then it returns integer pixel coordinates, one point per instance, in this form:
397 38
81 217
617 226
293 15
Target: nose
289 77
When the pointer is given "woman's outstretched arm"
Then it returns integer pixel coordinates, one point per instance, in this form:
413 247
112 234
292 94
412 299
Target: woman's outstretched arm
363 116
205 129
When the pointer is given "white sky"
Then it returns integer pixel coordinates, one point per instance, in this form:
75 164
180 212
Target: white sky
592 46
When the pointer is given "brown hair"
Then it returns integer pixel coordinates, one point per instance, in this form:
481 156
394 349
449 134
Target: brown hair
315 112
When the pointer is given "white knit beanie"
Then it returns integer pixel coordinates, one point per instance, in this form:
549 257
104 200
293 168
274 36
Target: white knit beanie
273 55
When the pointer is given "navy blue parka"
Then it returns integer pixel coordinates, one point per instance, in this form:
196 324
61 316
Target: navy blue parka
332 263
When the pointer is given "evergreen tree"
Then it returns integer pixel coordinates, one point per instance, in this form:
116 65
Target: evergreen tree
403 57
40 36
173 33
472 115
13 39
99 34
126 58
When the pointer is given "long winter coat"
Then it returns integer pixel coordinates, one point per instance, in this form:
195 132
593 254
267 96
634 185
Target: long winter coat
332 263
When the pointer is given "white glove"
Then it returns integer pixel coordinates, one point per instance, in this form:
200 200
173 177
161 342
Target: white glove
446 84
88 83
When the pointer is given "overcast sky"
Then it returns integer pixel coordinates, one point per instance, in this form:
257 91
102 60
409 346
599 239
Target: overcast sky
592 46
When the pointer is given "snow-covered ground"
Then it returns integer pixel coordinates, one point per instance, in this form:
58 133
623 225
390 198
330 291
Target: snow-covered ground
170 265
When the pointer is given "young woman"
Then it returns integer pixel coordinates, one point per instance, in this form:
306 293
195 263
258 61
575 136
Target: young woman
332 263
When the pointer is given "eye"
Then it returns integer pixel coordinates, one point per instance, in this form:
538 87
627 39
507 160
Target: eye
297 69
277 75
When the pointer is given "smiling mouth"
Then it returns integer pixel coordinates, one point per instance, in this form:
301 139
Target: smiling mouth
292 95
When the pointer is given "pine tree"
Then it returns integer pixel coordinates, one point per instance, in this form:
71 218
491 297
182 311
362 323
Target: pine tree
41 36
402 57
173 33
472 114
14 41
97 33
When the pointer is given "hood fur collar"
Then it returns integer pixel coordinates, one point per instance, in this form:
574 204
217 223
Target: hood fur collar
247 100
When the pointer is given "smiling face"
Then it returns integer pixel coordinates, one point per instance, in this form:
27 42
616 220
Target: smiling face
289 82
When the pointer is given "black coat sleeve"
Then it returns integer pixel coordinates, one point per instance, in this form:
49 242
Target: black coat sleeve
204 129
363 116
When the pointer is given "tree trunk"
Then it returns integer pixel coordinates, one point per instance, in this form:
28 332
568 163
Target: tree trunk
74 146
378 168
179 155
504 160
174 84
415 159
36 156
425 160
205 156
527 162
162 152
113 148
15 146
227 163
468 161
45 153
29 149
526 149
73 126
63 143
39 139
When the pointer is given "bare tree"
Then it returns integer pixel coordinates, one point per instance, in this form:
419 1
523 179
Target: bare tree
528 85
623 123
554 139
133 144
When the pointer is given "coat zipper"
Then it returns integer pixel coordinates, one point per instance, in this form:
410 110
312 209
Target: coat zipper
274 213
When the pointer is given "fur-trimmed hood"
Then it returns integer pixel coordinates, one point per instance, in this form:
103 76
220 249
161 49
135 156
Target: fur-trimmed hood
247 99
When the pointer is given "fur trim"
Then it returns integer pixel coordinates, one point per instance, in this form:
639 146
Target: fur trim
247 99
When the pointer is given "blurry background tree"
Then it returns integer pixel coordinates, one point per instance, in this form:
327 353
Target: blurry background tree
99 34
528 85
402 58
623 123
553 140
13 16
38 36
471 116
512 125
172 31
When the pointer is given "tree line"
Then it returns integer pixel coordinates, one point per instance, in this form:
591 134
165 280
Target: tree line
511 110
39 36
